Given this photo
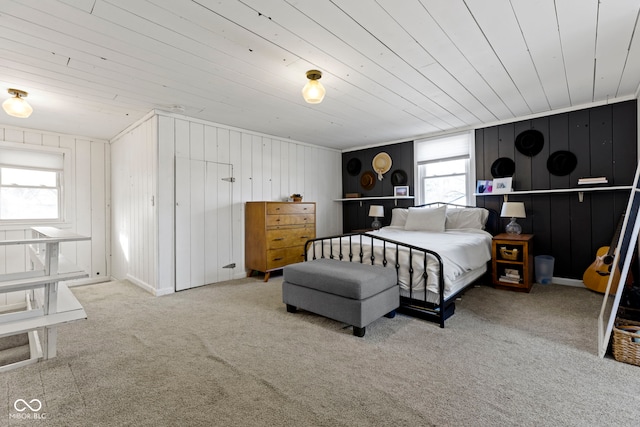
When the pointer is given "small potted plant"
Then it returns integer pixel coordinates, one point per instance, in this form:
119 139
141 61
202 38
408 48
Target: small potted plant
296 197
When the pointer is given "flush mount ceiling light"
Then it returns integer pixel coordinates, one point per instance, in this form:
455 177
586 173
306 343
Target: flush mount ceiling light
313 92
17 106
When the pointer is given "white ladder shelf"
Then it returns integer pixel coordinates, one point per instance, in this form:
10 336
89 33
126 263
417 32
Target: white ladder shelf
48 301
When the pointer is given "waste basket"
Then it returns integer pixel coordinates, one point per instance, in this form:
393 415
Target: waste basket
544 269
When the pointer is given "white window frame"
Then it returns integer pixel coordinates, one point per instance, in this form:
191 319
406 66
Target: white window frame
421 146
64 176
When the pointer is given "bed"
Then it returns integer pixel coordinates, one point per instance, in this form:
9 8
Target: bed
445 246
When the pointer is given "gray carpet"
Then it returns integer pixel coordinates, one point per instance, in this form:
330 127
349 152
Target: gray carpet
230 355
13 349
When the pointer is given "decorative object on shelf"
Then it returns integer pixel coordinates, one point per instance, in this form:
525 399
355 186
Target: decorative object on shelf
352 195
399 177
502 185
484 186
376 211
530 142
513 210
381 164
16 106
354 166
593 180
313 92
503 167
562 163
296 197
367 180
401 191
509 254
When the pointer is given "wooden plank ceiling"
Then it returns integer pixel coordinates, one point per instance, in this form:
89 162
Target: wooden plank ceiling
393 70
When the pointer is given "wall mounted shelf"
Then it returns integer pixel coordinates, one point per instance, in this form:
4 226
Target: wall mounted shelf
580 191
360 199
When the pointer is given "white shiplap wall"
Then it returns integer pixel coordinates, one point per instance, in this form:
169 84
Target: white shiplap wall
87 197
133 184
265 168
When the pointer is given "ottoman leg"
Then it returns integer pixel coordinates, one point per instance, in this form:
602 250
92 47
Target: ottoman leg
291 308
359 332
391 314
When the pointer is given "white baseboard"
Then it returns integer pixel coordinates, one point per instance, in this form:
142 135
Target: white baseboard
88 281
147 287
568 282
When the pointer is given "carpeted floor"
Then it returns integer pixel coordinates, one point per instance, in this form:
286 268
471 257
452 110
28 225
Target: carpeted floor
230 355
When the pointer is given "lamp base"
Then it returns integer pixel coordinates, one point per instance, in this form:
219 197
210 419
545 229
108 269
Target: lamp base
376 224
513 227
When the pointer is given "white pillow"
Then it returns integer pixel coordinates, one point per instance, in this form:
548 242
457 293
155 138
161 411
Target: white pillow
399 217
466 218
426 219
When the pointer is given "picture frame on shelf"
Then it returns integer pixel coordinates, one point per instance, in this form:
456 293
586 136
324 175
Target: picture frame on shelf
484 186
502 185
401 191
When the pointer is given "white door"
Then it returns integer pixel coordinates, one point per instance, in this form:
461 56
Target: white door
204 241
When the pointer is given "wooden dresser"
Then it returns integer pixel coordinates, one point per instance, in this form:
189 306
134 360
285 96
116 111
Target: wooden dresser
275 234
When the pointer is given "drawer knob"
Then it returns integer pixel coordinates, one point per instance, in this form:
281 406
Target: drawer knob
277 259
278 239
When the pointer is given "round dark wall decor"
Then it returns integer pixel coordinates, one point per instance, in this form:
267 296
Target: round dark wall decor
399 177
353 166
368 180
503 167
530 142
562 163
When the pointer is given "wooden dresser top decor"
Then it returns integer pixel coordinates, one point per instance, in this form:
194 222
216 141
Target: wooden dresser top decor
276 233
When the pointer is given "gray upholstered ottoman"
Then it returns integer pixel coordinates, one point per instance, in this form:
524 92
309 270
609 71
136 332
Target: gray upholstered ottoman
349 292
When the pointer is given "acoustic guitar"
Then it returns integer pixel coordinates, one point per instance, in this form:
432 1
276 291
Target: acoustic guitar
596 276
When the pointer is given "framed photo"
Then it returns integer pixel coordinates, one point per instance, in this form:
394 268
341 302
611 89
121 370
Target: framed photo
502 185
401 191
484 186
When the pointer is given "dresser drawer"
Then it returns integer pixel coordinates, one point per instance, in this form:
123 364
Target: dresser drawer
280 257
282 238
290 208
290 219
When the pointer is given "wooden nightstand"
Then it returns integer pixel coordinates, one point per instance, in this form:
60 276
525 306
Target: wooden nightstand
512 261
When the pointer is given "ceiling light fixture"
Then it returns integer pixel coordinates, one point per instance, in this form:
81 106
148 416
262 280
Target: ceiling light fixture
17 106
313 92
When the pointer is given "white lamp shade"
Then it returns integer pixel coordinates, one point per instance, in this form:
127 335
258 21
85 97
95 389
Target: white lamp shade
513 210
17 107
313 92
376 211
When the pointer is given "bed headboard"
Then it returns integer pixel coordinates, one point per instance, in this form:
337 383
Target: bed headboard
493 221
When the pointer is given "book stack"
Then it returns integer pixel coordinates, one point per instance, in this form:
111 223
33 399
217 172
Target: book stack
594 180
511 275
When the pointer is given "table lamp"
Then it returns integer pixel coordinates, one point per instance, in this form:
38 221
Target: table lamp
513 210
376 212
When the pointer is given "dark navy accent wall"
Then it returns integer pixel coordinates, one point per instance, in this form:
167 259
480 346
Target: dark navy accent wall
355 213
604 140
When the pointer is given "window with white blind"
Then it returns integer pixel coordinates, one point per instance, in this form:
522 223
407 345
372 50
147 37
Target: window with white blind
30 185
444 169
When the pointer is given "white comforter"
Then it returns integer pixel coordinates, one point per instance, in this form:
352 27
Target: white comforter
461 251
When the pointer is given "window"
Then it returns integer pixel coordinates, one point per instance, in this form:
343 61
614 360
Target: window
444 169
29 194
30 185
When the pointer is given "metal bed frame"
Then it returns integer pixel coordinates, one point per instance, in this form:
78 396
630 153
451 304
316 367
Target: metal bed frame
421 308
